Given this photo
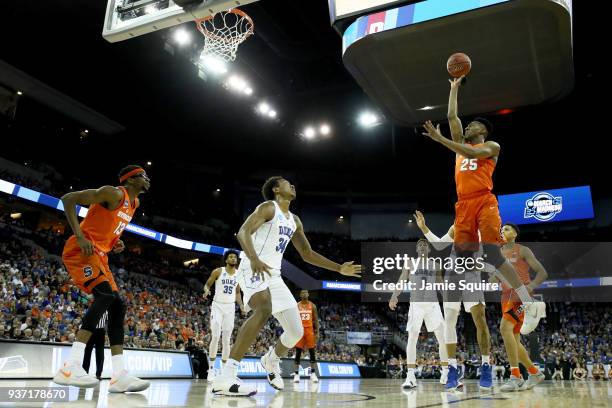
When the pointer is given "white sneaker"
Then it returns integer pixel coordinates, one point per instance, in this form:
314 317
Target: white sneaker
296 378
314 378
231 386
444 377
124 382
272 367
211 375
533 380
410 381
534 311
73 374
513 384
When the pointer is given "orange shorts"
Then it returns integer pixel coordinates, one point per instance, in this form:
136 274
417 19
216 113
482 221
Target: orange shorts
307 341
479 213
513 312
87 272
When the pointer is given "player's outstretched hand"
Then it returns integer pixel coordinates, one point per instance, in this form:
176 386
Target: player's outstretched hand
348 269
86 246
431 131
392 303
420 220
259 268
456 82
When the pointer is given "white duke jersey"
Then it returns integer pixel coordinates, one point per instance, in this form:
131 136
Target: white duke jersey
271 239
225 287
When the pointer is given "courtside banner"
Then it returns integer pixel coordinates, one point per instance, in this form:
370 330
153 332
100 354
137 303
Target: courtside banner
425 272
544 206
250 367
43 360
338 370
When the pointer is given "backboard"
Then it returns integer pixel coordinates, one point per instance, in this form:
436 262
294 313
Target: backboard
127 19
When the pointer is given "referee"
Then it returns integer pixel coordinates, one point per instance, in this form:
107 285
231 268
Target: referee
97 339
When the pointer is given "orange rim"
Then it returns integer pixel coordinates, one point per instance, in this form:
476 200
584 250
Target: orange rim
241 13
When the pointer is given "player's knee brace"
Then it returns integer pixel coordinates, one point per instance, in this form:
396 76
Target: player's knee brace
450 325
103 298
298 355
116 316
313 357
494 255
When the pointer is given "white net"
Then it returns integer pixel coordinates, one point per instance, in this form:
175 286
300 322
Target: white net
224 32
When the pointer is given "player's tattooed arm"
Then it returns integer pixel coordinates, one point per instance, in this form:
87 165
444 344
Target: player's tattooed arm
262 214
108 196
211 281
301 244
536 265
453 119
487 150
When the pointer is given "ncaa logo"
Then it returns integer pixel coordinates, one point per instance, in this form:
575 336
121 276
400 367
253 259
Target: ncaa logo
126 204
543 207
88 271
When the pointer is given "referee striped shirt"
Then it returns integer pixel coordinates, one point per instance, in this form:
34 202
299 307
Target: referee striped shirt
103 321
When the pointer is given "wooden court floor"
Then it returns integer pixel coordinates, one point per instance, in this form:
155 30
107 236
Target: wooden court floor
347 393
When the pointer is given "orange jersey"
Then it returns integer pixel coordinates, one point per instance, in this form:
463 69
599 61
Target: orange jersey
473 176
306 314
104 227
513 255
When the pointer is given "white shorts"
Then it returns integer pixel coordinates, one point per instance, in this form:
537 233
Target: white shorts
282 298
454 299
429 312
222 316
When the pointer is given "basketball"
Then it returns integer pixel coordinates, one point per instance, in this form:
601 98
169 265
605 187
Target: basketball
458 64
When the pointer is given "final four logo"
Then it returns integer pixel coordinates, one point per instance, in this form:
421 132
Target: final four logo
543 206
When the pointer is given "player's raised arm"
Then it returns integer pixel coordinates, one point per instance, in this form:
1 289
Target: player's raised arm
453 119
536 265
301 244
437 242
486 150
211 281
107 195
262 214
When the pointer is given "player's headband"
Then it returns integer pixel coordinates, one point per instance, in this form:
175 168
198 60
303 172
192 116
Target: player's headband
131 174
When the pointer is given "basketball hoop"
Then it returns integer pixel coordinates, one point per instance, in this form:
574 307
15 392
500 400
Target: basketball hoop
223 32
